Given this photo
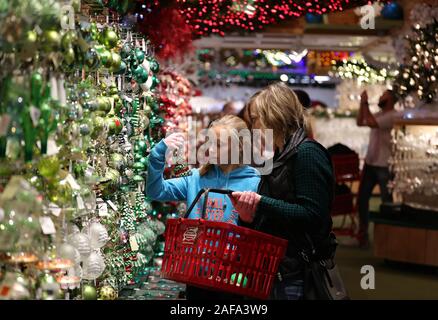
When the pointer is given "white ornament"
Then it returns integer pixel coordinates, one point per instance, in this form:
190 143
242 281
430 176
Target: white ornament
93 266
81 242
67 251
98 235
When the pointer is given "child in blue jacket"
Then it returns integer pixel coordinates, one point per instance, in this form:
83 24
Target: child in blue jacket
235 177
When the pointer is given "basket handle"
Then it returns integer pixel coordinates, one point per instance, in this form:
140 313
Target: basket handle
204 206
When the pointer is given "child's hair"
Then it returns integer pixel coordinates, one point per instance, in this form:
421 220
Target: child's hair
233 124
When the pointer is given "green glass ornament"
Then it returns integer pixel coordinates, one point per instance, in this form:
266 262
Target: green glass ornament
142 146
144 161
69 56
68 40
155 82
61 193
109 38
126 51
98 124
51 41
114 124
154 66
94 31
122 68
106 58
138 156
140 74
117 103
30 41
48 288
113 175
139 55
116 61
138 166
137 178
48 167
104 104
91 59
117 161
89 292
36 85
147 109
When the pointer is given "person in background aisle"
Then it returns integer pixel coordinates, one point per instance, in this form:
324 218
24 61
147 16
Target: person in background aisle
306 102
219 176
229 108
376 170
294 200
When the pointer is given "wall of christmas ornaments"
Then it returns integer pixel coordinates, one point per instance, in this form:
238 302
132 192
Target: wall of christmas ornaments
80 110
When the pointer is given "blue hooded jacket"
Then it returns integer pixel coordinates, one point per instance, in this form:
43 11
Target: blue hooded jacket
219 206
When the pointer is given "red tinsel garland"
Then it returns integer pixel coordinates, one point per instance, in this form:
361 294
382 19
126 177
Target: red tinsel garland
168 31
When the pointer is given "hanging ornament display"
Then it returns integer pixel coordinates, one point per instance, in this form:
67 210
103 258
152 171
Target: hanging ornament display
79 114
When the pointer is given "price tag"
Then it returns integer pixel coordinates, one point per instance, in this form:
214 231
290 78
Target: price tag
133 243
112 205
54 209
47 225
103 209
52 148
72 182
80 203
127 98
4 124
34 115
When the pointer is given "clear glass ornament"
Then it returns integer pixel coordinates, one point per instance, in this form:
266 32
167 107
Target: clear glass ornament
93 266
68 251
82 243
98 235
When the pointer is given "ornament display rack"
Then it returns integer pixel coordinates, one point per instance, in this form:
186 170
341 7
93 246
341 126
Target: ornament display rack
78 117
407 231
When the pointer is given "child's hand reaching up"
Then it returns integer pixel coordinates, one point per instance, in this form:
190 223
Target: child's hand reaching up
174 141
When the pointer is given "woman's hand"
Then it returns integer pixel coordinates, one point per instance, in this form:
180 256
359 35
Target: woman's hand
246 204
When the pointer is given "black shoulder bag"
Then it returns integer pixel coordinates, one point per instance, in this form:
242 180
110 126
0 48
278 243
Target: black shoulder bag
322 279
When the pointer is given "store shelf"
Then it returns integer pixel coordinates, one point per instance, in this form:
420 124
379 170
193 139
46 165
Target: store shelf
406 234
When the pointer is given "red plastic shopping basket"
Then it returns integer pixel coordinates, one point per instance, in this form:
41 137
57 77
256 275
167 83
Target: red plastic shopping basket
221 256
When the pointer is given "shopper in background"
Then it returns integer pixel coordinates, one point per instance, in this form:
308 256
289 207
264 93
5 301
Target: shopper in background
376 170
294 200
219 176
306 102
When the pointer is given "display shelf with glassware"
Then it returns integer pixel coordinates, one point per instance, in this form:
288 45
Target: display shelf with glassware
407 230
